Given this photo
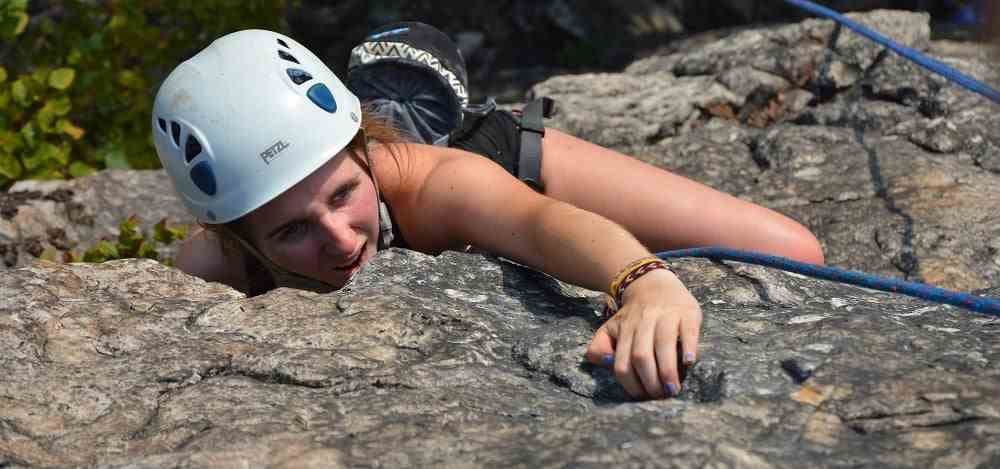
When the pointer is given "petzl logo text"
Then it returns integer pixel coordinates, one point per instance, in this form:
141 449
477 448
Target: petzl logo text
272 151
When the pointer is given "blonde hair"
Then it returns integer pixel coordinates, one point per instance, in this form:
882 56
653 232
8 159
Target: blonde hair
374 128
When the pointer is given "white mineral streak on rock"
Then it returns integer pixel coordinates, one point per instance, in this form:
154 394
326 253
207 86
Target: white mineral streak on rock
464 296
807 318
918 312
950 330
795 275
838 302
821 348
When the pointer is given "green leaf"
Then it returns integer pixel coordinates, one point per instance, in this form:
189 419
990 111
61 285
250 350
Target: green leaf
117 21
104 251
62 155
74 56
79 169
39 76
20 92
9 167
3 74
46 155
147 251
44 119
130 239
28 134
167 234
50 110
60 106
62 78
130 79
9 141
22 23
50 254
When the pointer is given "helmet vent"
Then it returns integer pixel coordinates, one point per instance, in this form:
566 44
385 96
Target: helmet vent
298 76
282 43
287 56
191 148
203 177
163 124
322 97
175 131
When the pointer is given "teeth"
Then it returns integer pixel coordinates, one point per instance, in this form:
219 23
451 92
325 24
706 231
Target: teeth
352 262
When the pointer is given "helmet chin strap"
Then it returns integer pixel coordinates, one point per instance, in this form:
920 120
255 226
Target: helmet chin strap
285 278
384 220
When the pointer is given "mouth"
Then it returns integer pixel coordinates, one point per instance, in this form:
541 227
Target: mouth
354 262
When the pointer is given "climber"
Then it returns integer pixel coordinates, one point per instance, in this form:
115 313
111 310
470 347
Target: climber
299 185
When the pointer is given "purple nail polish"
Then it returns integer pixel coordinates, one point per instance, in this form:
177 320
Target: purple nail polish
688 358
671 389
609 360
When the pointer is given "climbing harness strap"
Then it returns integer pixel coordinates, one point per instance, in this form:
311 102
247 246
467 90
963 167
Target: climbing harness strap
980 304
532 130
908 53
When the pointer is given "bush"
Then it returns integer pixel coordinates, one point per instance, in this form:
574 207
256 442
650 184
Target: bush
78 77
131 243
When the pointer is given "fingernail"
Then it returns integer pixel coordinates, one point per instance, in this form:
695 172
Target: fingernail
688 358
609 360
671 389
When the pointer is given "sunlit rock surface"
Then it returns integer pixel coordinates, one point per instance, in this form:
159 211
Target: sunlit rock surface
466 360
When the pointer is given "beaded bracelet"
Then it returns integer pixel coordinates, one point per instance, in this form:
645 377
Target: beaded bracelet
624 278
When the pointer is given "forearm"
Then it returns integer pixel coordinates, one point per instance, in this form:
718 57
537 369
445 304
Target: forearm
581 247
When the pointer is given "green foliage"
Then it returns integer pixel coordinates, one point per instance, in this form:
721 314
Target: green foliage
131 243
79 77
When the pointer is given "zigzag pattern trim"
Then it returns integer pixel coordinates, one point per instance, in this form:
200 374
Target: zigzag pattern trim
369 52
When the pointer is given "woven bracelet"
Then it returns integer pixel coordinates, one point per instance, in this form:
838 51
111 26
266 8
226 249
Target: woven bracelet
629 274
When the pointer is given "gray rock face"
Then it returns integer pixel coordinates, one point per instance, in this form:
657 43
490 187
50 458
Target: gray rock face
74 215
467 360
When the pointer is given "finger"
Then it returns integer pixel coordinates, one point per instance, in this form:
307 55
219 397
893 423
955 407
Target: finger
690 328
623 365
602 347
666 355
644 360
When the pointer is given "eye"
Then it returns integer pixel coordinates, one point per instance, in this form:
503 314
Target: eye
343 194
292 232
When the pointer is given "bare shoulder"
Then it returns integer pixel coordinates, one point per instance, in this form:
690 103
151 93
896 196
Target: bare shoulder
402 168
405 175
201 255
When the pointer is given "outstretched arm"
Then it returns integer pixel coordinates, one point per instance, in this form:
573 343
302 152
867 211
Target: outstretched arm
465 199
664 210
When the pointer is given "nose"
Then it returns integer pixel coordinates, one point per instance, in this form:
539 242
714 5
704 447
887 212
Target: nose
340 240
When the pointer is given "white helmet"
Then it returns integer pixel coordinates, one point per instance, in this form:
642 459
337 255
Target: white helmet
246 119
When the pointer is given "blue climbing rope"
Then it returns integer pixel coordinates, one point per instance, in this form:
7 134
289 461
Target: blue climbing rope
980 304
910 54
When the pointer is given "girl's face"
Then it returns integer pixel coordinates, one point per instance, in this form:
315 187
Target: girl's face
325 227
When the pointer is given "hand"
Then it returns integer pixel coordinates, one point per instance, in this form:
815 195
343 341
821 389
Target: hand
640 341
